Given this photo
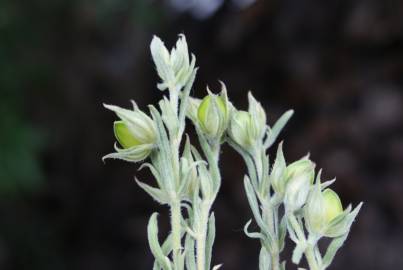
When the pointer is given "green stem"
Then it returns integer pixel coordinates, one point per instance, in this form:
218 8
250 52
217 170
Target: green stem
268 216
275 260
295 225
176 231
202 237
257 157
211 151
175 161
310 249
174 98
310 257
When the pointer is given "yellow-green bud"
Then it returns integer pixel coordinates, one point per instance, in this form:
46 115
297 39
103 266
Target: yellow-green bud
321 209
135 132
212 115
247 128
239 129
123 135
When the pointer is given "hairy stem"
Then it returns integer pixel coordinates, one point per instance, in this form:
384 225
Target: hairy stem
310 248
176 230
201 238
269 213
275 260
211 152
310 257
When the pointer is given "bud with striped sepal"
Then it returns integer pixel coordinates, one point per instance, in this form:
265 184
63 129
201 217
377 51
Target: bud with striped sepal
175 67
299 178
247 128
213 114
324 214
135 132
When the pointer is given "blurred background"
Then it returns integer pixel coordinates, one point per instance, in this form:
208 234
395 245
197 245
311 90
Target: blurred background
339 64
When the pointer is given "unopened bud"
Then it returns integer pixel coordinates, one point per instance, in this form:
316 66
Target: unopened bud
175 67
135 132
299 177
247 128
213 115
321 210
239 129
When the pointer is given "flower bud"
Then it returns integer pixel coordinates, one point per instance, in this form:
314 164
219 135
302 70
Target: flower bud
247 128
239 129
299 177
322 208
175 67
135 132
296 193
213 115
302 166
124 136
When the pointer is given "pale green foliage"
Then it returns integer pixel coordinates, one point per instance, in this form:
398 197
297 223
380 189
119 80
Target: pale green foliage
283 198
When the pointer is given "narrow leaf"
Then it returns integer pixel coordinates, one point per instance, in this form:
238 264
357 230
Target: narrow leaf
282 232
250 193
154 172
157 194
254 235
152 231
273 133
298 252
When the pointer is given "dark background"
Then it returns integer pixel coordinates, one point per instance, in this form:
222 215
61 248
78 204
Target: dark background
339 64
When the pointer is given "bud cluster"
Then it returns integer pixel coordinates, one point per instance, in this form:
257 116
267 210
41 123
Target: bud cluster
289 187
293 187
285 199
